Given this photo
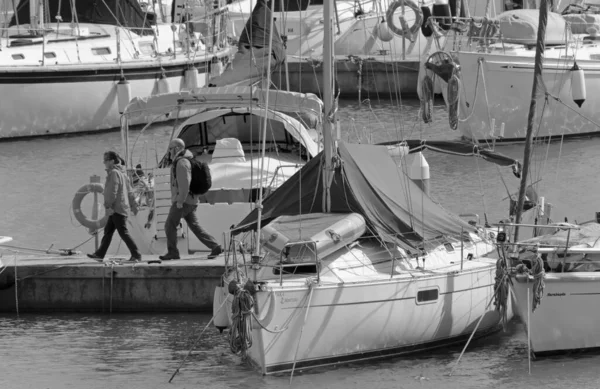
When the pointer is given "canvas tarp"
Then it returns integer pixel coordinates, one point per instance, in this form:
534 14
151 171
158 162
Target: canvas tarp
367 182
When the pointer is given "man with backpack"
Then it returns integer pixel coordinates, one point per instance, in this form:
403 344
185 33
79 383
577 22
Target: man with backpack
185 197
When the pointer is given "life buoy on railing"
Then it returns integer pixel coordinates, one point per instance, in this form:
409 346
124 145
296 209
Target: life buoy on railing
81 218
407 32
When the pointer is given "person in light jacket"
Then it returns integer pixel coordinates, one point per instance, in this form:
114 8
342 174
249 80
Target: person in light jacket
117 197
184 204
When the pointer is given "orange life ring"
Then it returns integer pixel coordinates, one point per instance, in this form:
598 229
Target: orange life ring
81 218
408 32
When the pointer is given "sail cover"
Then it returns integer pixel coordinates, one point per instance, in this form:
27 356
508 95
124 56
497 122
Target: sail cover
462 149
257 31
368 182
126 13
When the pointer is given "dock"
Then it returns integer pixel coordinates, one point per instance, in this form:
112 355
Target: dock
37 283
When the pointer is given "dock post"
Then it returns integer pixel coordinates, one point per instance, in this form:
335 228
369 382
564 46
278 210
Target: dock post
93 180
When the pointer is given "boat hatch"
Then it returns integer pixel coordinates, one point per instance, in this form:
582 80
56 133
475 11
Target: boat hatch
427 296
147 48
298 258
101 50
449 247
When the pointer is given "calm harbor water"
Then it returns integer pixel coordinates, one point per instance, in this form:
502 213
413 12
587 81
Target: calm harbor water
38 179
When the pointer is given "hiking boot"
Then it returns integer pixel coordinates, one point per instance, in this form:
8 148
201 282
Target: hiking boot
168 257
135 259
215 252
96 257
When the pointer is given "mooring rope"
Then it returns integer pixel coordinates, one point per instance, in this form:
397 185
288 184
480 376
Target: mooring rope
240 336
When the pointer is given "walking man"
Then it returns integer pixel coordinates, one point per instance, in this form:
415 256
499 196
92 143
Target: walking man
184 204
117 197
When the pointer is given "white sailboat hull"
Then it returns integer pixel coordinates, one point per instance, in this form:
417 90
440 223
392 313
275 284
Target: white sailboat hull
503 93
568 315
366 320
62 102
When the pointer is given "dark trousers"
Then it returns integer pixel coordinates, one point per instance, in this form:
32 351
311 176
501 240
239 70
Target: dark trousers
117 222
188 213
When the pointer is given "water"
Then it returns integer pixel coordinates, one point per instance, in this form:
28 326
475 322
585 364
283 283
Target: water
38 179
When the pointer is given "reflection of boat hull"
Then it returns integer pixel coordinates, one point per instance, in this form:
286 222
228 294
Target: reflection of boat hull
333 334
507 94
568 314
70 99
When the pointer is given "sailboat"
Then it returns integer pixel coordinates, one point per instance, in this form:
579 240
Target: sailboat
355 262
222 129
69 67
494 58
554 275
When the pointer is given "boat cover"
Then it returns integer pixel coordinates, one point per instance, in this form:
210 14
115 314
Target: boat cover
223 97
368 182
127 12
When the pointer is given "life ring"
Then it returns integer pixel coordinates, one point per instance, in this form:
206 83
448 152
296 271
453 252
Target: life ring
408 32
81 218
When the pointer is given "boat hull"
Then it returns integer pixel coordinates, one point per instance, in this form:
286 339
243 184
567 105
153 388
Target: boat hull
367 320
567 316
72 99
503 93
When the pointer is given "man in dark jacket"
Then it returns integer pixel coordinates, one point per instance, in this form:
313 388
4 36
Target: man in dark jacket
251 61
184 204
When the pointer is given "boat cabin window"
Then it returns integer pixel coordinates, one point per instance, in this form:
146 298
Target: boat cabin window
18 56
298 269
427 296
101 50
243 127
49 55
147 48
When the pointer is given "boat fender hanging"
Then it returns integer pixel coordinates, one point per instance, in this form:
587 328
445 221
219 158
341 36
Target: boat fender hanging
383 31
191 78
425 28
407 32
221 318
123 94
577 85
441 10
162 84
79 216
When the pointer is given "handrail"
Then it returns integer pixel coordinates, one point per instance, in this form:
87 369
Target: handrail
572 227
297 243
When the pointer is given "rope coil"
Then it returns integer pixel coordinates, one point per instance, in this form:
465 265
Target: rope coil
240 336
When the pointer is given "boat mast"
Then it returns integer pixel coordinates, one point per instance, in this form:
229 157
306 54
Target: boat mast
537 79
329 119
264 129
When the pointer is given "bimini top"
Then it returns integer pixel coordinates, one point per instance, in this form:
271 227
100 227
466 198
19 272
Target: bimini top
205 128
225 97
368 182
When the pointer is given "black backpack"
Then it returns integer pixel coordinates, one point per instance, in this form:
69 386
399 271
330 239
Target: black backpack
201 178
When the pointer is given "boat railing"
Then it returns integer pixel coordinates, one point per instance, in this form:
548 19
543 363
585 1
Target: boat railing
204 35
279 169
559 249
465 32
300 246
